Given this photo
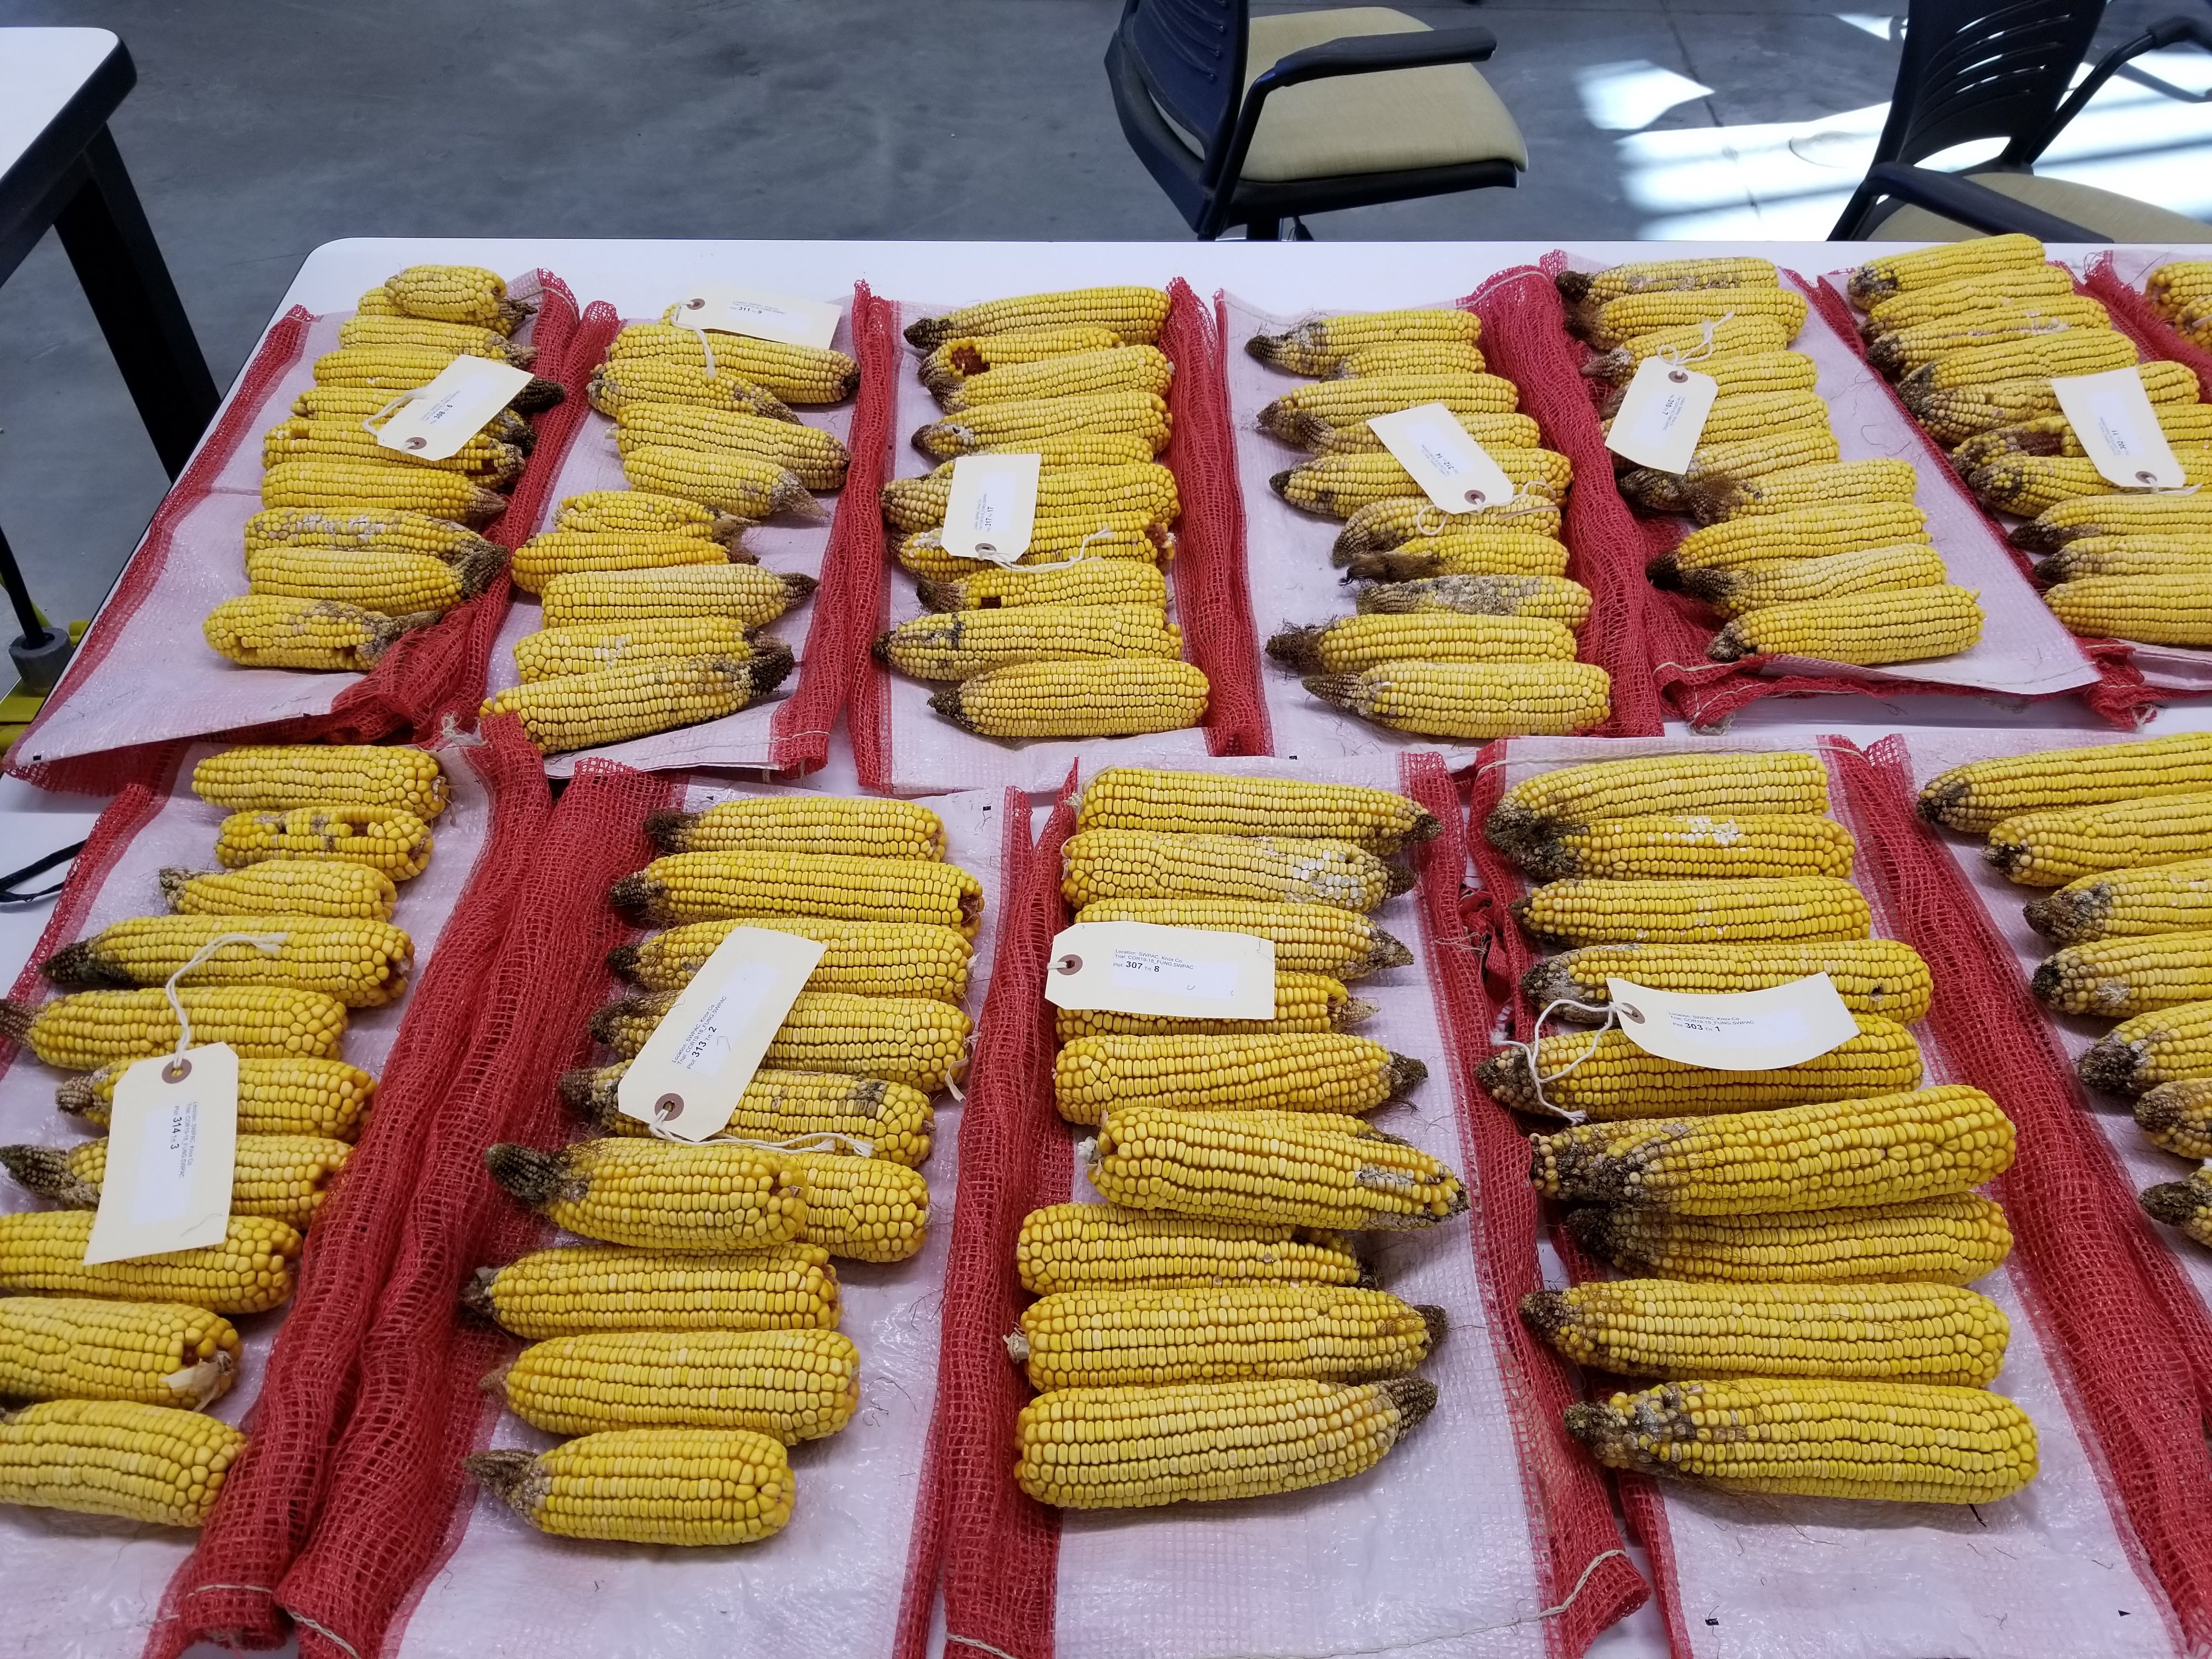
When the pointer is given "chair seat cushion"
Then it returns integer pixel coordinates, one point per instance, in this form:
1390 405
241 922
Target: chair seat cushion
1388 122
2122 218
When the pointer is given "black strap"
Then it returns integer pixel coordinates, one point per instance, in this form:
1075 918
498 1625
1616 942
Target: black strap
9 896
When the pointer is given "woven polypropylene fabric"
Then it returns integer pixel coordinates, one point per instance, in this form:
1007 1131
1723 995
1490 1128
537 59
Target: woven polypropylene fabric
2081 1246
2134 315
395 1475
1525 338
271 1499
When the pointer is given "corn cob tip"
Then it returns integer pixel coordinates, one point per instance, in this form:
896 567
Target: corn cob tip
1941 801
1596 1427
1297 648
1665 572
669 829
1728 647
1593 1227
2108 1068
15 1020
607 1022
532 1178
77 1096
475 1295
576 1089
510 1476
78 968
622 962
1507 1076
494 1381
1353 1012
1435 1320
1017 1347
2158 1112
45 1170
2047 982
1415 1397
1407 1073
1339 690
1385 950
1545 1312
938 596
947 704
2171 1202
1573 284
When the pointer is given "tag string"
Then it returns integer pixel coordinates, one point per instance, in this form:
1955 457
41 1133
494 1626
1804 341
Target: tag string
1674 358
268 942
372 424
699 329
1537 1076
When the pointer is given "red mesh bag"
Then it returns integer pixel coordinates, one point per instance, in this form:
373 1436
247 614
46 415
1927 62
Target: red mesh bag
223 1592
998 1548
122 819
2135 316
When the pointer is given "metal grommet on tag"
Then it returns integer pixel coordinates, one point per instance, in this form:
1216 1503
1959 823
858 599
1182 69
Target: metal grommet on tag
418 443
988 549
667 1108
2146 477
1067 964
1630 1011
695 305
1476 498
177 1069
1679 376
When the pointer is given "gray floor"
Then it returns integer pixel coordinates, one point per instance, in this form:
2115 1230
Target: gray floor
260 130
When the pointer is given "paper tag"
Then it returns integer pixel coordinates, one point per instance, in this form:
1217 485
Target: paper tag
758 314
688 1076
2111 415
1142 968
1455 471
1662 415
992 510
1735 1031
439 418
172 1143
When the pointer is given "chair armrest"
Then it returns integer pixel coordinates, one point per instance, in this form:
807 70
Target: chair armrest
1970 203
2167 31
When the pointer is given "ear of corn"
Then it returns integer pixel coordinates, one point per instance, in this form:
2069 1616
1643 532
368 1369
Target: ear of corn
874 958
634 382
362 531
1616 322
802 823
895 1120
42 1251
1118 1338
456 294
150 1463
263 630
790 1385
656 1194
1120 538
158 1353
1949 262
1711 342
2068 351
725 886
386 838
2127 555
744 593
685 1487
294 1096
637 698
393 368
743 486
1348 645
1137 798
1935 1241
817 458
1080 698
1480 595
909 1040
1871 975
867 1209
1839 484
92 1028
1761 844
489 461
281 1177
1716 464
368 482
2115 978
1976 798
2022 283
1644 276
1473 700
2174 609
796 373
2029 485
1478 550
2178 1117
2164 1045
1309 938
332 888
569 552
1092 581
1265 1070
1103 495
396 584
1404 519
1303 1003
1491 431
1898 351
1905 624
1336 486
1078 374
1303 418
1072 1247
958 645
1762 584
364 964
640 512
1803 532
323 774
589 649
579 1289
1116 863
2187 1205
455 339
2158 899
1955 414
951 362
1759 910
1319 344
2060 844
1134 314
1567 800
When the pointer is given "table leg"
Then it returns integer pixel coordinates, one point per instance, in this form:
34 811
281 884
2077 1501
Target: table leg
119 266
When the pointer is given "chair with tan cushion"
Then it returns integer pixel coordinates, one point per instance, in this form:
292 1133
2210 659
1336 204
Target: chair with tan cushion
1253 120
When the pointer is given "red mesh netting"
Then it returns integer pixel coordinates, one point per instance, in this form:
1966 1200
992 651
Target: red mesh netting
2106 1294
1524 336
2135 317
1577 1544
223 1593
998 1548
1213 601
121 820
851 597
868 709
395 1478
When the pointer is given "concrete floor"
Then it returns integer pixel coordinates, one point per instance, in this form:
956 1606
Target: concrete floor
259 131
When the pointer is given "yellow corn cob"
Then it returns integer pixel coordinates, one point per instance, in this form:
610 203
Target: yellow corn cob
2128 555
802 823
1092 581
397 584
397 486
1303 1003
1134 315
686 1487
491 462
1144 494
1936 1240
1317 1071
394 368
365 531
958 645
1337 486
1957 413
1849 1154
1565 801
1699 344
568 552
1740 375
1135 1448
1463 553
1066 375
283 887
2127 903
2115 978
790 1385
148 1463
741 485
42 1251
1116 537
1111 430
634 382
1664 1328
1115 1337
722 886
1491 431
2178 1117
1077 699
2069 351
951 362
1076 1246
2161 609
583 1288
1554 597
636 699
1902 349
1616 322
1715 468
2177 283
2054 435
1762 584
268 1021
1410 357
1474 700
656 1194
1405 520
1605 1075
1758 911
915 1041
1309 938
2023 283
364 964
1819 531
1645 276
895 1122
1841 484
2029 485
1873 976
280 1176
386 838
1977 797
1901 1442
312 774
796 373
1318 345
261 630
640 512
453 339
355 405
2184 1204
1115 864
324 1098
2121 513
2057 845
1288 1168
1349 645
157 1353
1742 415
743 592
1751 844
1303 418
817 458
456 294
1907 624
1947 262
555 653
866 1209
873 959
2166 1045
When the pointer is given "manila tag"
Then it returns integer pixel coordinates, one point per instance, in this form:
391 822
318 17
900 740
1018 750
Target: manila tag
688 1077
1181 973
2111 415
1661 416
990 510
172 1148
437 419
1735 1031
759 314
1453 471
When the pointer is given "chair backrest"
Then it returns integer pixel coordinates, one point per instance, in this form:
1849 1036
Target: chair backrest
1190 54
1983 68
